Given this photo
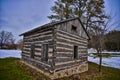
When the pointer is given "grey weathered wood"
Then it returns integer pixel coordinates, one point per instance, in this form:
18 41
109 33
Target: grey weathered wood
61 39
64 54
69 64
71 35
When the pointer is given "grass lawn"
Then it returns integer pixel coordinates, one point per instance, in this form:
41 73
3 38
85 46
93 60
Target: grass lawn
10 69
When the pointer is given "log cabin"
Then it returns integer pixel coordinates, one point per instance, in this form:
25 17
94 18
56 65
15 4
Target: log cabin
57 49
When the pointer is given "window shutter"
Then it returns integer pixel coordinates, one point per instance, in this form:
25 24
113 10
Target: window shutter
44 52
32 50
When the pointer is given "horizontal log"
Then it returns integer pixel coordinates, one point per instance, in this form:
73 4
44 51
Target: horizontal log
83 47
63 59
70 38
38 46
27 50
66 48
41 65
37 53
60 39
27 46
66 62
25 54
50 54
38 34
50 49
49 41
67 67
50 46
57 67
64 55
43 29
40 38
38 49
63 50
70 45
71 35
39 56
64 45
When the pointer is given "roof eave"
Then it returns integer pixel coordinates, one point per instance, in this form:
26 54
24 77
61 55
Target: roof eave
84 29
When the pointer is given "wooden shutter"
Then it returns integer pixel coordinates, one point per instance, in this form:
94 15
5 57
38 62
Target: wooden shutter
44 52
32 51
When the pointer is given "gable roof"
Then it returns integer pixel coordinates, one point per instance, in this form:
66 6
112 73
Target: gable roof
55 23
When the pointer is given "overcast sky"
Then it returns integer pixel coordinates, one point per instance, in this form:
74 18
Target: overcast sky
18 16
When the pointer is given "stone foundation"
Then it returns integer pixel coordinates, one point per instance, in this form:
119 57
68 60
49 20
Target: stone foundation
62 73
74 70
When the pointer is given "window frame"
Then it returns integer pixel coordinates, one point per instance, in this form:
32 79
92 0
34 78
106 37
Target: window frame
75 51
74 29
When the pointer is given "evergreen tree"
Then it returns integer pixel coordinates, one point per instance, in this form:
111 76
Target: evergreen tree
112 41
61 10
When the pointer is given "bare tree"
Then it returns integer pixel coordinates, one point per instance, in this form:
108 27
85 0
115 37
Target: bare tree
11 44
5 38
98 36
20 44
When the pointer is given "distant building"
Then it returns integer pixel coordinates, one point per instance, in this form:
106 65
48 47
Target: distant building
58 48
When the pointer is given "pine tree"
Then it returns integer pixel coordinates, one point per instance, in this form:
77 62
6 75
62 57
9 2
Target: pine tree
79 8
61 10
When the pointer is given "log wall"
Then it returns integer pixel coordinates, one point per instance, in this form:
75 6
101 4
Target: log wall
65 42
38 38
61 41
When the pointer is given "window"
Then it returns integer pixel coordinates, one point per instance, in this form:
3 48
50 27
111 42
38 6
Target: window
74 29
32 50
75 52
44 52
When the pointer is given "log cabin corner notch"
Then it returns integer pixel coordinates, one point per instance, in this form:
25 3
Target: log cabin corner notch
58 49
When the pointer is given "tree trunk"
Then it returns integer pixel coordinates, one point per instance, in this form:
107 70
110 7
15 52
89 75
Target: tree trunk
100 54
100 61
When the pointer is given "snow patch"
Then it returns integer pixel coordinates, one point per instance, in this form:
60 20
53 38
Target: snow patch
111 61
10 53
